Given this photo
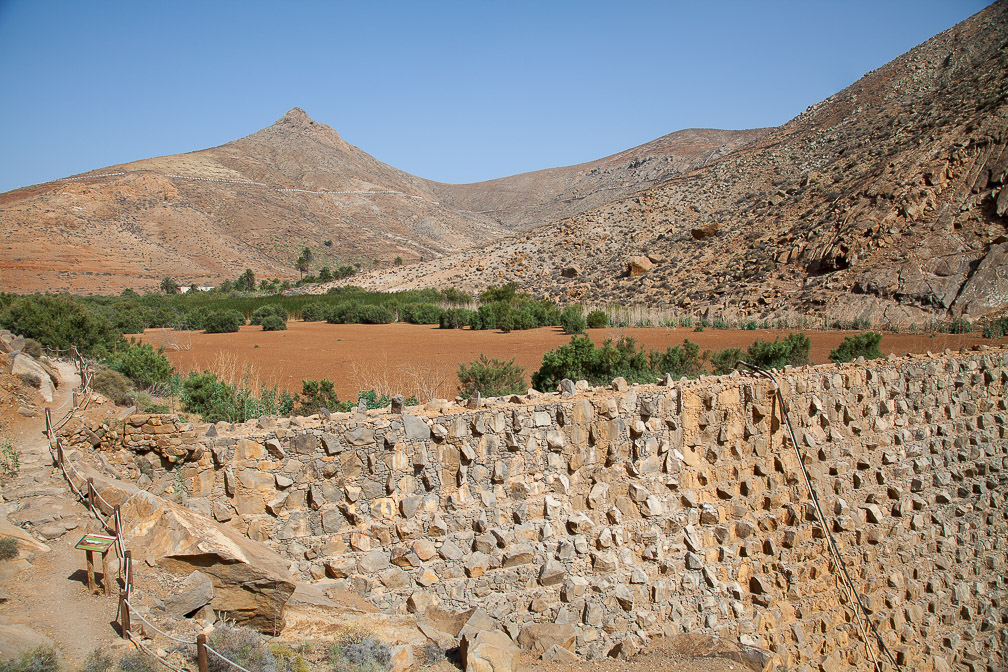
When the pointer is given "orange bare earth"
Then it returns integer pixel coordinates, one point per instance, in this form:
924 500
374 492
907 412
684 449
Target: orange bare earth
423 360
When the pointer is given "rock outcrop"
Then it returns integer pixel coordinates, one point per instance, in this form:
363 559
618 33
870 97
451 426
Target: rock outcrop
251 583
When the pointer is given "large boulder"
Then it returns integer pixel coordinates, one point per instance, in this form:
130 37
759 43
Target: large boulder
21 363
251 583
637 266
539 637
16 639
488 651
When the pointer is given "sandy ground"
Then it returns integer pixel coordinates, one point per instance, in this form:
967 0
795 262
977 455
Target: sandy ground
47 591
423 360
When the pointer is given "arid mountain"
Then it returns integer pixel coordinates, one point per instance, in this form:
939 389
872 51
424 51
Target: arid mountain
255 202
887 201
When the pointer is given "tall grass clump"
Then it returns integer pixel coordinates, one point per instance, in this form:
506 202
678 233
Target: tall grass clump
996 328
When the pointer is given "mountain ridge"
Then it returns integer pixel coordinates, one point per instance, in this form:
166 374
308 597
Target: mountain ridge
255 201
885 202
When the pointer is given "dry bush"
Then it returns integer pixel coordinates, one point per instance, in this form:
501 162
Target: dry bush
426 380
415 378
243 374
171 339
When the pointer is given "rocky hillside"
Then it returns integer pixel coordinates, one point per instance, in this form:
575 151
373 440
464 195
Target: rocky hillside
257 201
885 201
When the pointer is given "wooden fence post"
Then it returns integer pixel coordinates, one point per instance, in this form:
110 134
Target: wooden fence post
124 619
128 576
201 652
115 521
90 494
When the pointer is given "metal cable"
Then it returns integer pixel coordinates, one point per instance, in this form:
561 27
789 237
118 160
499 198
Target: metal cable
837 559
134 612
224 658
103 500
136 641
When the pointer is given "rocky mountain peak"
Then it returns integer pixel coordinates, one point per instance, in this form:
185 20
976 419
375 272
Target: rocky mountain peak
298 118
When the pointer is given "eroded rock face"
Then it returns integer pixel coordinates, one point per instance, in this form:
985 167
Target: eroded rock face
987 288
251 583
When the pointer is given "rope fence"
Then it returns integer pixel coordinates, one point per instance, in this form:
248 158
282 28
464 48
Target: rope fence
111 519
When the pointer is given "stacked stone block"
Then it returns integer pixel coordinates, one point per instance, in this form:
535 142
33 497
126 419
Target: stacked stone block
606 518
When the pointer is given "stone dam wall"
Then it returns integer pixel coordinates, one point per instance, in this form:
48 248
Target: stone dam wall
600 520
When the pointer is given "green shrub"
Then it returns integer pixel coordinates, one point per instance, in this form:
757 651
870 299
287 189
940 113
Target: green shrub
455 318
144 365
421 313
376 315
33 348
115 386
793 350
572 319
580 359
262 312
996 328
545 312
213 399
597 319
10 458
223 322
59 322
8 548
863 345
315 312
491 378
347 312
495 293
723 361
485 318
316 394
456 296
274 323
42 659
957 325
374 400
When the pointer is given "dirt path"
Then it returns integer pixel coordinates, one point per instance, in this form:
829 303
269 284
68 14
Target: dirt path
47 591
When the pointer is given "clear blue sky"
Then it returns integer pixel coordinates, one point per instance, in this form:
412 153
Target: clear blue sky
452 91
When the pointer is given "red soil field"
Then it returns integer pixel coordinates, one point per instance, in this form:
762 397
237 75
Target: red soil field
423 360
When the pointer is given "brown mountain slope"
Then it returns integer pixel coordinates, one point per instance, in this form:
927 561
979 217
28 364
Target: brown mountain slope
521 201
255 202
885 201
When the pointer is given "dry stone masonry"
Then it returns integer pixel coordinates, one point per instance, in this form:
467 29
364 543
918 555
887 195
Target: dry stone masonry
595 520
